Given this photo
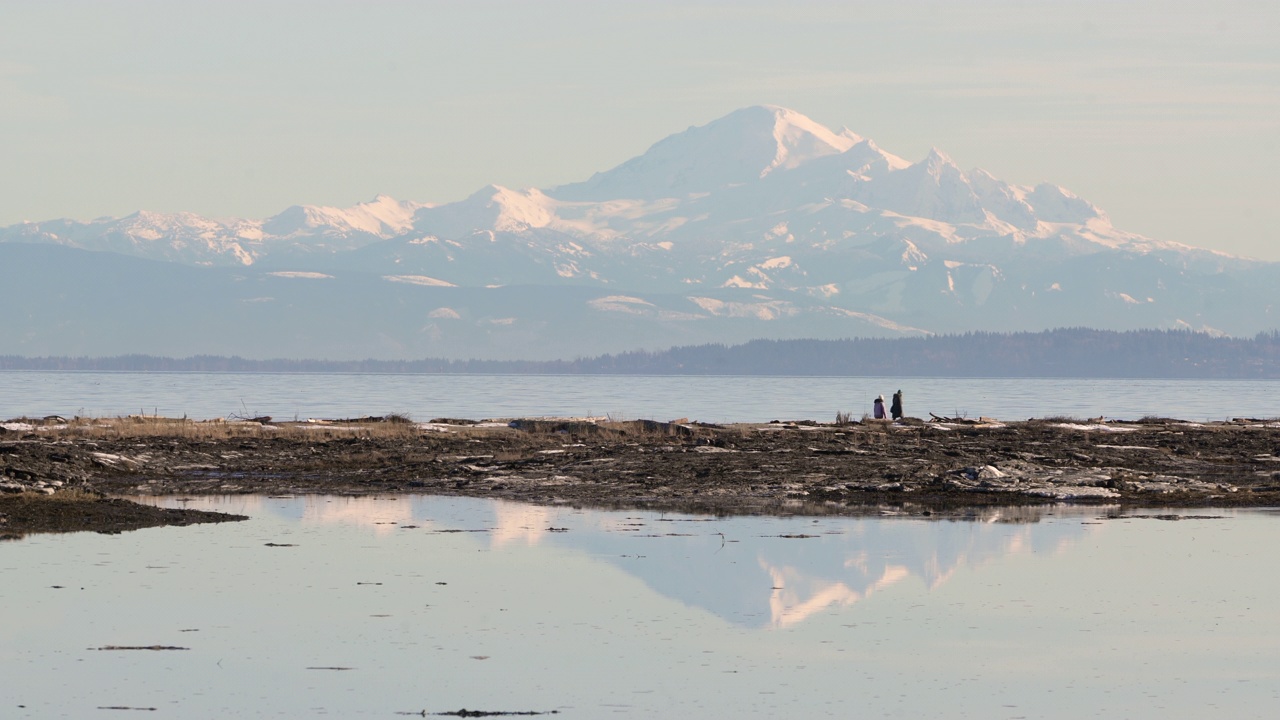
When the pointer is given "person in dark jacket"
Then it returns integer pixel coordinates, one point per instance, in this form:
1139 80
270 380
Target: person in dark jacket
896 408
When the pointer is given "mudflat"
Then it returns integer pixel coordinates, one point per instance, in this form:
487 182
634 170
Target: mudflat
72 511
802 467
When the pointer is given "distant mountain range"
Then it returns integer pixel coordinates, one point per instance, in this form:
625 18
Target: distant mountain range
762 224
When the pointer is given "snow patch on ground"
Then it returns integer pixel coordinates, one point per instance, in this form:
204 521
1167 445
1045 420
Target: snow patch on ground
1096 426
768 310
300 274
737 281
881 321
621 303
418 280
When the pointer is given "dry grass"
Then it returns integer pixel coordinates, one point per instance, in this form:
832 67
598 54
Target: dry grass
150 426
392 426
63 495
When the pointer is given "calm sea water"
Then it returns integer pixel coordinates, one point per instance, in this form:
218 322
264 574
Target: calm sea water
710 399
379 607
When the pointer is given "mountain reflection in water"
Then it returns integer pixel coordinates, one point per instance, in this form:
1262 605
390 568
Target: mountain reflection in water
756 572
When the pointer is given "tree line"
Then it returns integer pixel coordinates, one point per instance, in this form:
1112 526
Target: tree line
1065 352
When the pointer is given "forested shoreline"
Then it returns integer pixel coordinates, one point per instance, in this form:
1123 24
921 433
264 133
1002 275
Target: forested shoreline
1068 352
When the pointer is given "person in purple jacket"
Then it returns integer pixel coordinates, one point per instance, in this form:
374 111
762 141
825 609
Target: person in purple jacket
877 409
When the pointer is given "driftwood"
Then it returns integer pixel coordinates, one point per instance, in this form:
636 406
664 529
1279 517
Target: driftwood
960 420
963 420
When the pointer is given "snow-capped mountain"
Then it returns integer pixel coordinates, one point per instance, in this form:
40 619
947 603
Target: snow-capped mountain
740 148
194 240
763 198
762 223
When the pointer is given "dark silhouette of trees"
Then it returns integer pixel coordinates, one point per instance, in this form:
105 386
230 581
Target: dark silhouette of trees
1065 352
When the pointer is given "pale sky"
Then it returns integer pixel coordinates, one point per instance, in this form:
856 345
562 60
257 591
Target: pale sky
1165 114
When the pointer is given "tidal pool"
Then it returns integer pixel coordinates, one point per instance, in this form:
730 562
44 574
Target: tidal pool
379 607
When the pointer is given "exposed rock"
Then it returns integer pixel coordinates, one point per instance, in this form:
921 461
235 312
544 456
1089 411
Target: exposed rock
784 467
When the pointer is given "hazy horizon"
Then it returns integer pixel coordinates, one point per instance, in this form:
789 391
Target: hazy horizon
1163 114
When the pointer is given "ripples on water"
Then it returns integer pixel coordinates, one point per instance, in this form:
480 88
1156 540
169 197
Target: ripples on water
710 399
353 607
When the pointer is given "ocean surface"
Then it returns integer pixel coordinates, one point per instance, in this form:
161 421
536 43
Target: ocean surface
411 606
707 398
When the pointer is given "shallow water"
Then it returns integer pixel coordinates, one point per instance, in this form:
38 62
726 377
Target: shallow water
710 399
439 604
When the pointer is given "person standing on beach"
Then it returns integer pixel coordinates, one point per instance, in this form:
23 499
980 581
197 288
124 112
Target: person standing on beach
877 409
896 408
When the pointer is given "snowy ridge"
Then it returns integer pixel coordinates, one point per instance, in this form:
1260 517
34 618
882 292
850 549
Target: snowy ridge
382 217
191 239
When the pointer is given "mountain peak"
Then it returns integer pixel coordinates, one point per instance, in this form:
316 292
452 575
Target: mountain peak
382 217
741 147
492 207
487 193
792 137
800 139
937 159
1058 205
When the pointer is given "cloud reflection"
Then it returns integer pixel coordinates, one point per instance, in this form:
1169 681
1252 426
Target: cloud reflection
519 523
383 515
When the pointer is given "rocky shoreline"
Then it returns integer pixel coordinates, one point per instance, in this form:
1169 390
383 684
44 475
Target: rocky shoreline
800 467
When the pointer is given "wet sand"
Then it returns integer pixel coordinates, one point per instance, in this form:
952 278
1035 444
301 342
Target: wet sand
913 467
